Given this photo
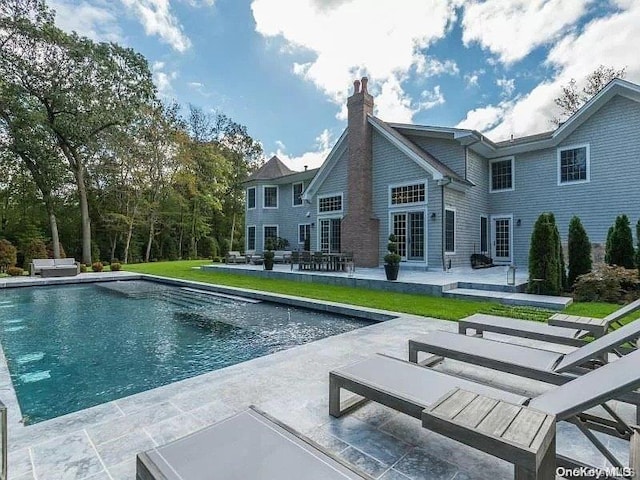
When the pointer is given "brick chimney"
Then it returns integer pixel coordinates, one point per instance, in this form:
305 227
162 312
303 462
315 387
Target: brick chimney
359 227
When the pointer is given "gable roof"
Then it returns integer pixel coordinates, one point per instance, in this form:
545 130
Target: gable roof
326 167
274 168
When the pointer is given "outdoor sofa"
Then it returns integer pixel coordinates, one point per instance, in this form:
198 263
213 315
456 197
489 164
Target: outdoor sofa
54 267
233 256
573 331
248 445
282 256
415 390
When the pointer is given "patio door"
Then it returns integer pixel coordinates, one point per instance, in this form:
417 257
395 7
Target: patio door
330 235
409 229
501 239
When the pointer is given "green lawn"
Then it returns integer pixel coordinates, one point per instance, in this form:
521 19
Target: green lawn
445 308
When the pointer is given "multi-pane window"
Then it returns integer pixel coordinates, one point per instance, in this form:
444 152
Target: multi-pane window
297 193
270 197
330 235
251 238
304 232
502 175
449 231
330 204
573 164
251 197
405 194
270 232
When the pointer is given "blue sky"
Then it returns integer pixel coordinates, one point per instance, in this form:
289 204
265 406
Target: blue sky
284 68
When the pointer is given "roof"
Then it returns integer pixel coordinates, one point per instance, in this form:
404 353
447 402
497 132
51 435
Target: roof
274 168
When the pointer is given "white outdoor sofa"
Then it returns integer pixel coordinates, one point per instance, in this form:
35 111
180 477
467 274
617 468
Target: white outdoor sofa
54 267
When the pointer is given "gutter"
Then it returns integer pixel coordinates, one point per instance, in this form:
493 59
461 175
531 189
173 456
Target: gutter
443 183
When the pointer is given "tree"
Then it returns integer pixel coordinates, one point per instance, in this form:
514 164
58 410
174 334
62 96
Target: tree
638 249
544 259
621 251
78 90
579 248
607 246
562 269
571 98
8 255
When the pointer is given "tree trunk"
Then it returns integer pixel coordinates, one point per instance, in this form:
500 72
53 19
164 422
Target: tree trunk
150 239
114 243
128 242
233 227
53 224
84 214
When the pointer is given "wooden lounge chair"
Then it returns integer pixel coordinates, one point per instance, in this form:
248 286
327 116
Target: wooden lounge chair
414 390
249 445
562 329
538 364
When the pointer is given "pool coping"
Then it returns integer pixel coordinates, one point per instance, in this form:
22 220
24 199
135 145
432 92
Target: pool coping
9 396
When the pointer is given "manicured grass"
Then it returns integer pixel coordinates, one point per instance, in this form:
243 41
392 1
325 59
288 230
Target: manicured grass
445 308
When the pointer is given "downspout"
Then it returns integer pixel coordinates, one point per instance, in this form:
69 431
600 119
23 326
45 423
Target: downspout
444 182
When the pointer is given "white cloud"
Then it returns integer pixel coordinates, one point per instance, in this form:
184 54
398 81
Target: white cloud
201 3
96 21
162 79
511 29
507 85
471 79
157 19
574 56
351 38
431 67
312 159
431 98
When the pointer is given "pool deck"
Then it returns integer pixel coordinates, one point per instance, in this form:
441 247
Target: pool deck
101 442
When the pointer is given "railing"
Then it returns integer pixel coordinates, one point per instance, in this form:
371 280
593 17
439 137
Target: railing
3 435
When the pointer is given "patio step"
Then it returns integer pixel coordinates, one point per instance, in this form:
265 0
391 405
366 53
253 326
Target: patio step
508 298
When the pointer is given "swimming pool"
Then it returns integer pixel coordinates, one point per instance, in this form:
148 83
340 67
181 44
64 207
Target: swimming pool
75 346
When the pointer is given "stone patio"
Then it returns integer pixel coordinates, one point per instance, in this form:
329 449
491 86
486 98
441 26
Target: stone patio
101 442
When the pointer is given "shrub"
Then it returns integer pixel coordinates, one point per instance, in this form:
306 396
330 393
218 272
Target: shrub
8 255
35 248
621 250
562 269
281 243
607 283
544 258
638 250
63 254
97 266
392 258
116 267
607 246
579 248
216 260
83 268
15 271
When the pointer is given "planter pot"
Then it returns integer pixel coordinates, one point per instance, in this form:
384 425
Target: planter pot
268 264
392 271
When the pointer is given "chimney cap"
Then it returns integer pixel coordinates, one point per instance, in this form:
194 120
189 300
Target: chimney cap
364 82
356 86
306 167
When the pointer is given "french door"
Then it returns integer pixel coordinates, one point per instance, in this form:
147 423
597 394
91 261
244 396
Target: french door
501 237
409 229
330 235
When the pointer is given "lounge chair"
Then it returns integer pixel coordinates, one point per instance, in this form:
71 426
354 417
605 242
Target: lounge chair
410 388
538 364
233 256
563 329
248 445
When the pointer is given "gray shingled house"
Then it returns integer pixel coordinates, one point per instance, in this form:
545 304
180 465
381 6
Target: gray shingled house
448 192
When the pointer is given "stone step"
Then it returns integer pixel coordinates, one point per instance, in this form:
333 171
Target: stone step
507 298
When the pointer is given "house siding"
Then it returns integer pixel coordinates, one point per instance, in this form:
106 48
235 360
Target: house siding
613 187
449 152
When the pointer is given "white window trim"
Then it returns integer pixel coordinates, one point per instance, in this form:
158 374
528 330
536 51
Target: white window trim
573 147
264 238
513 174
407 211
255 198
264 197
299 225
406 184
332 212
455 230
488 239
492 219
255 238
293 196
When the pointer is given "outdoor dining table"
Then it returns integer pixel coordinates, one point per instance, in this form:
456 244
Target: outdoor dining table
330 262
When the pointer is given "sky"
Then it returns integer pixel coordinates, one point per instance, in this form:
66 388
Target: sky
284 68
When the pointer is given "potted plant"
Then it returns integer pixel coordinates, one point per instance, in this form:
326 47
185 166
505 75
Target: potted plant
268 254
392 259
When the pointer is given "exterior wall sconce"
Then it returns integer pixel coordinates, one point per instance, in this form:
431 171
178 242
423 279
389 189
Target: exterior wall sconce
518 222
313 224
433 215
511 275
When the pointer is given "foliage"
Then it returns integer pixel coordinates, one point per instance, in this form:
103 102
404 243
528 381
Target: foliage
280 243
35 248
15 271
8 255
620 244
579 248
116 266
571 98
97 266
561 264
51 253
607 246
83 268
607 283
544 257
638 249
270 244
392 258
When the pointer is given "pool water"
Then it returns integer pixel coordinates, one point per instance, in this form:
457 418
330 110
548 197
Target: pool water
75 346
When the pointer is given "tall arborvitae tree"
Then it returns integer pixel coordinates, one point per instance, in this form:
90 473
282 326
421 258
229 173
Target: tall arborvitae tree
561 264
621 251
579 251
544 260
638 249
